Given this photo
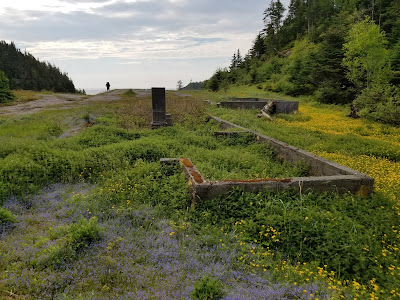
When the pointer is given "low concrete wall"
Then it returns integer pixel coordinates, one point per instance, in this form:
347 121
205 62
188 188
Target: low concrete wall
318 166
243 104
327 176
206 190
281 106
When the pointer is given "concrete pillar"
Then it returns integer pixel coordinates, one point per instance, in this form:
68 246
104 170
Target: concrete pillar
158 100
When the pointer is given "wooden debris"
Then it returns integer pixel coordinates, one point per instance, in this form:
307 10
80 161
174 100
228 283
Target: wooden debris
267 110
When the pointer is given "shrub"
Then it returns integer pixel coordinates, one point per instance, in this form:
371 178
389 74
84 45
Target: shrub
6 217
84 231
129 92
380 103
207 288
333 92
65 242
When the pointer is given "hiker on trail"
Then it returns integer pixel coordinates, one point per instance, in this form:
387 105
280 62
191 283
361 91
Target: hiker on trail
108 86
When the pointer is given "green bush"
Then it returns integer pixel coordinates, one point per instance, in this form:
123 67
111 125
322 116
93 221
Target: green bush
84 231
207 288
380 103
129 92
333 92
65 242
6 216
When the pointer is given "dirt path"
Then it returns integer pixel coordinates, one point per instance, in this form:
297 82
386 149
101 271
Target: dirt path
61 101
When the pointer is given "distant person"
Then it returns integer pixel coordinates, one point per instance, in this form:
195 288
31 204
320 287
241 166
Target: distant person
108 86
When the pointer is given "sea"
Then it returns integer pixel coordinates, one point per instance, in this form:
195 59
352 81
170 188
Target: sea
94 91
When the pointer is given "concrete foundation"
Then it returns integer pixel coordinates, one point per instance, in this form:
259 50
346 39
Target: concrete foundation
326 176
281 106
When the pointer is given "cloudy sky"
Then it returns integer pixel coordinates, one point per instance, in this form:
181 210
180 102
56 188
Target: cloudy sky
133 43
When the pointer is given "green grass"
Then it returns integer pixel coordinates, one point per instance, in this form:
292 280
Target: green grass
113 215
26 167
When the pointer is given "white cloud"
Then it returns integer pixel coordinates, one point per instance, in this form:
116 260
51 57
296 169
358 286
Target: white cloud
147 34
53 5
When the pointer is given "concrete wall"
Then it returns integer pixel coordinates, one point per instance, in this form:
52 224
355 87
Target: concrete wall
282 106
205 190
318 166
327 176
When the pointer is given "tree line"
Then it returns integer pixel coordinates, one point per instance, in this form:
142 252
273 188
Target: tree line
338 51
26 72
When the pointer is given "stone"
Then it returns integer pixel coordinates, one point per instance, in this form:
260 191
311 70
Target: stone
168 118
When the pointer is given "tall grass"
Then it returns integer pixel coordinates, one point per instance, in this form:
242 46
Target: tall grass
135 112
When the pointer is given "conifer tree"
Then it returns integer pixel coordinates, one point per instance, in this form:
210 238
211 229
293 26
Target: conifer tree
239 59
273 15
233 62
258 48
5 92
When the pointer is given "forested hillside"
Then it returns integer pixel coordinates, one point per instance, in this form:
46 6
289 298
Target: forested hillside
337 51
26 72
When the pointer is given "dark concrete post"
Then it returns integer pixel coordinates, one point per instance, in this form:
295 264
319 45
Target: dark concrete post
159 116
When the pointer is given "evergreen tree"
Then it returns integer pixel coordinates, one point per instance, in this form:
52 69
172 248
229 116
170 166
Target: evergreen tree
26 72
236 61
239 59
233 62
295 23
258 48
5 92
179 85
273 20
273 15
218 81
395 63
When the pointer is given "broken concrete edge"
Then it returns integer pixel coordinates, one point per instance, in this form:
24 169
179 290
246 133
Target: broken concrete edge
319 165
206 190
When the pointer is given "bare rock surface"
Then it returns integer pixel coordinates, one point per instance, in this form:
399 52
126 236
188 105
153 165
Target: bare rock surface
60 101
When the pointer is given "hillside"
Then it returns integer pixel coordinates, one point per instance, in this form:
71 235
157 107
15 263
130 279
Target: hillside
337 52
88 212
26 72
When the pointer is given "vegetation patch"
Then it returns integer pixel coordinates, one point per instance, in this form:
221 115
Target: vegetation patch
62 244
117 222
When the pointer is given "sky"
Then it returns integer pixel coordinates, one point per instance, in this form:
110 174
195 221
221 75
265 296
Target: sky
133 43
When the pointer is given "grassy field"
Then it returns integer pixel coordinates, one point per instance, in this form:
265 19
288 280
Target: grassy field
95 216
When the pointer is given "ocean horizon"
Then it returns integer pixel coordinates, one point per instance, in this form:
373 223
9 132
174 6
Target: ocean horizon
94 91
